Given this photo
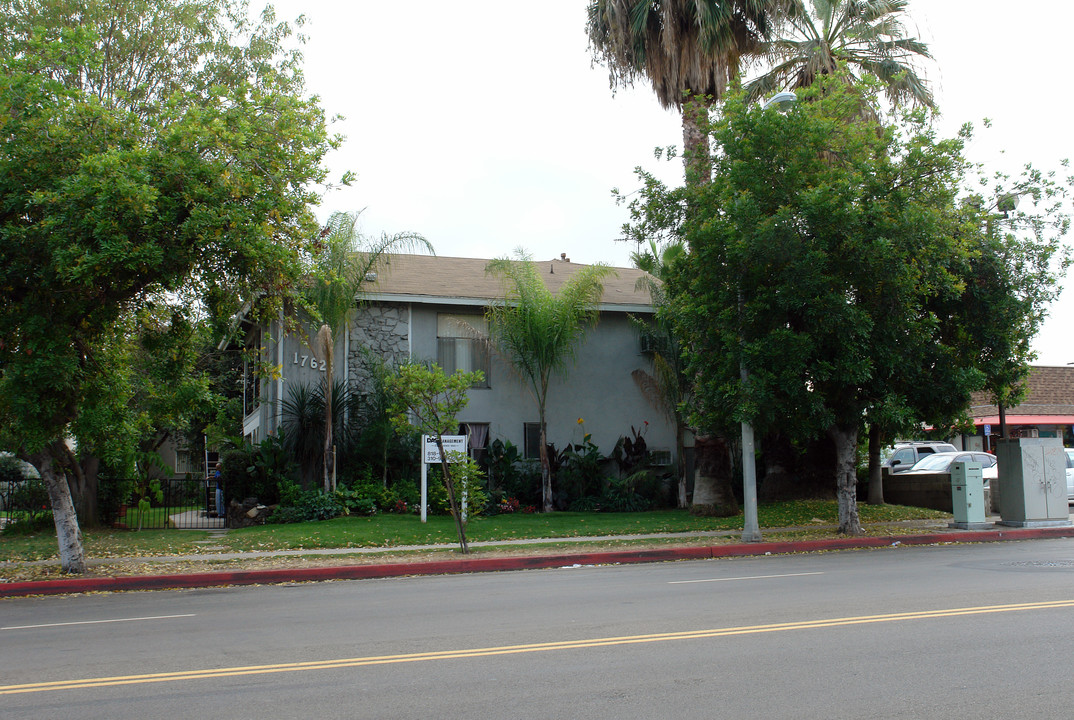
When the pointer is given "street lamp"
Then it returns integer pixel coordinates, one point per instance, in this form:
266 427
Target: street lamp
751 529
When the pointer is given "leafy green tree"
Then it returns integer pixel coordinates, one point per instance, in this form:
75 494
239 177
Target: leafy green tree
429 399
688 50
821 258
538 333
199 193
342 260
867 36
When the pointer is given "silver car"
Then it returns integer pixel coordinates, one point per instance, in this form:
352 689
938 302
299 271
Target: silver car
941 462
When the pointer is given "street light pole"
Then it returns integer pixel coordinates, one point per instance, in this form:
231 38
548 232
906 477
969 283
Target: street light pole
751 528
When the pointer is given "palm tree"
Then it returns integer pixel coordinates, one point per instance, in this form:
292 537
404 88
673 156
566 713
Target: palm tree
538 333
866 35
688 49
666 388
341 263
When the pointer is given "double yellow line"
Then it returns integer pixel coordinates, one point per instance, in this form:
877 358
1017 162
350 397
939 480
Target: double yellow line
518 649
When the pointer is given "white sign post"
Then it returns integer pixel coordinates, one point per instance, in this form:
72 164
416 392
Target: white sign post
430 454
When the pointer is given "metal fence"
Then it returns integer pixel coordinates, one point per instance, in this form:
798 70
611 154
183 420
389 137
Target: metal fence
185 503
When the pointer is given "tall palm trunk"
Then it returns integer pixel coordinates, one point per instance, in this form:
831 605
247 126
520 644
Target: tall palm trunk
713 494
695 141
546 471
324 339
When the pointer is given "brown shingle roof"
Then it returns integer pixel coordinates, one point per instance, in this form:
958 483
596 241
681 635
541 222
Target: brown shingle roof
425 277
1050 392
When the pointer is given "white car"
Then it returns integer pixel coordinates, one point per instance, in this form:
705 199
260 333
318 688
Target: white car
1070 474
941 462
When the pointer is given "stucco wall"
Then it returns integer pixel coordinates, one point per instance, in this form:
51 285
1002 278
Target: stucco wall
598 387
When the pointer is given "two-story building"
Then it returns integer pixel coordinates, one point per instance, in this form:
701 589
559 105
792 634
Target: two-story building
433 308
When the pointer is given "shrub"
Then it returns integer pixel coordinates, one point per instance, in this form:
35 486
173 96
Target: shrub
580 471
257 471
310 505
621 495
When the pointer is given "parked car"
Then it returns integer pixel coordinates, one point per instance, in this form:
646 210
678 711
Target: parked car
1070 475
941 462
906 454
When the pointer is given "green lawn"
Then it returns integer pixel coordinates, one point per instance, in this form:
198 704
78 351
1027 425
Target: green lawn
387 530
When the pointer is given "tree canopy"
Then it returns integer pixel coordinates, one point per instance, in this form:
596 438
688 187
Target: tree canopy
688 50
831 257
865 37
193 191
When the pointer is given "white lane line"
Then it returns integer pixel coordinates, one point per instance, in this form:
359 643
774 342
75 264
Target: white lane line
751 577
95 622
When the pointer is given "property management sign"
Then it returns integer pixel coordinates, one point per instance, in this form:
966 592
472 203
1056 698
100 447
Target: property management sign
452 443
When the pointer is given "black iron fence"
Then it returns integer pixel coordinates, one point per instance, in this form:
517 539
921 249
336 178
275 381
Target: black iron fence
139 504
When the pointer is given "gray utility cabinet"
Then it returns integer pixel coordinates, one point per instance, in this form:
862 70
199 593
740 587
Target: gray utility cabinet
1032 482
967 496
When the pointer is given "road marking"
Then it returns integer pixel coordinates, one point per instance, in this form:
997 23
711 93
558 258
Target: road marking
747 577
519 649
94 622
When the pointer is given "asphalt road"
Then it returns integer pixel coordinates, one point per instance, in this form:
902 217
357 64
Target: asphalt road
903 632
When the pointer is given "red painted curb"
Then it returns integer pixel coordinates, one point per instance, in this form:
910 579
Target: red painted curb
449 567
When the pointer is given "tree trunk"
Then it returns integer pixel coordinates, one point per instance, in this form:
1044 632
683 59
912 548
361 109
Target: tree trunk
713 492
695 141
846 478
84 489
546 473
69 535
680 450
449 484
876 476
325 335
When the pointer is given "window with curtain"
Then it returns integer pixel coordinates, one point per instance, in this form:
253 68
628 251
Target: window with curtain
462 344
477 435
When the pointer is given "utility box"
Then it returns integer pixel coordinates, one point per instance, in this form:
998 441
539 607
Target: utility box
1032 482
967 496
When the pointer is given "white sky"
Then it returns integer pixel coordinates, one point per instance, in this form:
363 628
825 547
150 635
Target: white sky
482 125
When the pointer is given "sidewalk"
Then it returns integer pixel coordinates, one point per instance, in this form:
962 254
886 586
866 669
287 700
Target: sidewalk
923 533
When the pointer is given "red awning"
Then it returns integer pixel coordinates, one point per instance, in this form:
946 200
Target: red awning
1027 420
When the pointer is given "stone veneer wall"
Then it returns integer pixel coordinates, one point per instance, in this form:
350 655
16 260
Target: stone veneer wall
381 330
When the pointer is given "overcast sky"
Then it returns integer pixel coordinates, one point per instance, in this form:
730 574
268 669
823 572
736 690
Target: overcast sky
482 125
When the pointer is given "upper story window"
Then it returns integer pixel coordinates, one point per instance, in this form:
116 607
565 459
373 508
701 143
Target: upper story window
462 344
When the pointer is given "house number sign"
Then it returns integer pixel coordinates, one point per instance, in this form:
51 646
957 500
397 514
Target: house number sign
301 361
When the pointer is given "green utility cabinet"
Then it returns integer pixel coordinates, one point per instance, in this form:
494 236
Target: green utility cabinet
967 496
1032 482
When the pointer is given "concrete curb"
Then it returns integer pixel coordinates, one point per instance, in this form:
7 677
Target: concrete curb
458 566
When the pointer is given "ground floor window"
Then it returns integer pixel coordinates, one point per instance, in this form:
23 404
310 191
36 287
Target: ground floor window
477 435
532 440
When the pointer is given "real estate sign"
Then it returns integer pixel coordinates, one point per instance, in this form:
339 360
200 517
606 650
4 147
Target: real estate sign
452 443
430 455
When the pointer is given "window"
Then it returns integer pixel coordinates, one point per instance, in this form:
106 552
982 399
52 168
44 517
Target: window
532 440
184 462
905 456
660 457
477 435
462 344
